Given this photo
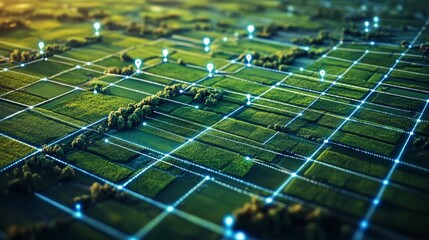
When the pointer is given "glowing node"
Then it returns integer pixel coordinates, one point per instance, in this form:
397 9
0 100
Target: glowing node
207 178
376 201
293 174
170 208
385 182
144 123
301 69
240 236
396 161
228 221
325 141
250 28
22 65
206 41
77 66
106 140
247 158
97 26
268 200
364 224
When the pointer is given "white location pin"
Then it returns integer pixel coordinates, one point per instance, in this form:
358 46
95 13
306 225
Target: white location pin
250 29
249 58
206 41
41 46
210 67
97 26
138 63
165 52
248 99
322 73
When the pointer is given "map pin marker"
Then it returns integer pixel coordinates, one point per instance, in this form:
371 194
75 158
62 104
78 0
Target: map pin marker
210 67
138 63
41 45
322 73
249 58
165 52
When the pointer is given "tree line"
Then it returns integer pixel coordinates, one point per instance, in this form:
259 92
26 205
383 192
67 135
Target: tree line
25 56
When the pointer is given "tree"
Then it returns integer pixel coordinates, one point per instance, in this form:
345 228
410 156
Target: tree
181 62
79 142
112 120
121 123
15 56
125 57
67 173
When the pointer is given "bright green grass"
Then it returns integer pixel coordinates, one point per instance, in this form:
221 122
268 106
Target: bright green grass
99 166
47 89
34 128
177 71
13 80
89 107
341 179
209 156
152 182
77 77
8 108
245 129
357 163
11 150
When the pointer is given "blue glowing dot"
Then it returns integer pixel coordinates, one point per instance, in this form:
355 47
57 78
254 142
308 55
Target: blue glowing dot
299 114
144 123
364 224
301 69
240 236
170 208
372 43
376 201
325 141
293 174
207 178
308 159
78 206
385 182
197 107
120 187
78 214
396 161
247 158
106 140
411 133
268 200
228 221
191 139
77 66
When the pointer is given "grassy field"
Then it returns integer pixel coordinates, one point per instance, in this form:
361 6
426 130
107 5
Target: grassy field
35 129
11 150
